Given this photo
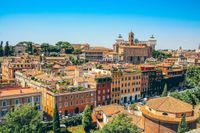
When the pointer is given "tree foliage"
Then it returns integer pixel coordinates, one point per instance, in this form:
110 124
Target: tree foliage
22 119
164 93
76 61
56 121
120 124
133 106
87 119
65 45
182 128
191 96
1 49
160 55
193 76
77 51
7 49
73 121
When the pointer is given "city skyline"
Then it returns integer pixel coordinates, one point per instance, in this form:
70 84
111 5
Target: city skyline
99 23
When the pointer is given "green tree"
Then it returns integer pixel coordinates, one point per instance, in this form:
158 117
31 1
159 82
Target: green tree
22 119
120 124
45 47
164 93
30 47
182 127
1 49
87 119
66 45
133 106
160 55
56 121
77 51
7 49
193 76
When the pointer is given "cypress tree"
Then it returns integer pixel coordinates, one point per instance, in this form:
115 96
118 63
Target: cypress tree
164 93
7 49
1 48
87 119
182 127
56 121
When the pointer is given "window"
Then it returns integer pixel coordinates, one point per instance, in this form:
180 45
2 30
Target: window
17 101
103 97
29 100
99 98
37 99
60 98
4 103
66 104
164 113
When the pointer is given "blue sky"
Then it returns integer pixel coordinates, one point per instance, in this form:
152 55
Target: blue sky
173 22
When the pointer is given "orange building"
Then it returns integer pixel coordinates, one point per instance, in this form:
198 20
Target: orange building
70 102
11 96
126 85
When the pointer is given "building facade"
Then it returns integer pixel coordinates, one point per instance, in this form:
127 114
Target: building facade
131 51
11 96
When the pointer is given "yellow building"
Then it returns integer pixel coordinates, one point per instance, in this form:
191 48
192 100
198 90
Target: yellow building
126 85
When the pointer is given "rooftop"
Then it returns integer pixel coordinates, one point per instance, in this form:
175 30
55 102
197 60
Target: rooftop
15 90
111 109
169 104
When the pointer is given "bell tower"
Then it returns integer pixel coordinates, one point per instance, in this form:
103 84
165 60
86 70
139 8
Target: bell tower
131 38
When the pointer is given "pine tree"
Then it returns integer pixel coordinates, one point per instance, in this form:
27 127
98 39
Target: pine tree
7 49
87 119
1 49
182 127
164 93
56 121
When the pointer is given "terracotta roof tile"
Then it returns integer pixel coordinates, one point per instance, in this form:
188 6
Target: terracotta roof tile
15 90
169 104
